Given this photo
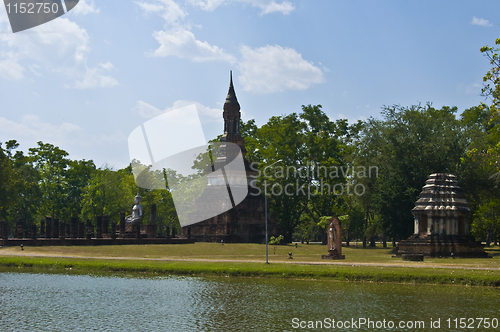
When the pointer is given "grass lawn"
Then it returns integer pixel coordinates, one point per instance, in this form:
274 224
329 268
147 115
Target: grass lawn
375 264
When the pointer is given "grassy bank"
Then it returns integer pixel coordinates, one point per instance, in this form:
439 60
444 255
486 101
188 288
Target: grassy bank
404 274
248 252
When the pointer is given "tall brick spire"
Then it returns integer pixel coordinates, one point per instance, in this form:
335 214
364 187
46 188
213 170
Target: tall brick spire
232 116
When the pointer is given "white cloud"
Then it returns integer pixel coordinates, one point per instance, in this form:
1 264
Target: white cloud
59 46
169 10
33 129
266 6
274 68
176 39
93 79
85 7
480 21
146 110
183 44
106 66
207 114
10 69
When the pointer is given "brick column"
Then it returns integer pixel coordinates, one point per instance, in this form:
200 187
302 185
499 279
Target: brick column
55 228
98 228
62 230
48 227
81 230
90 230
19 229
33 231
105 225
73 228
113 230
42 228
4 234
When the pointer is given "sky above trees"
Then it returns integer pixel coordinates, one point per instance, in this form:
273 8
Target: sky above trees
84 81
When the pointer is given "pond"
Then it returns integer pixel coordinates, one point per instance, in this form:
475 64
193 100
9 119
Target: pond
59 302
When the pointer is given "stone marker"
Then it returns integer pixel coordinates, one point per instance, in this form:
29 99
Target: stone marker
334 235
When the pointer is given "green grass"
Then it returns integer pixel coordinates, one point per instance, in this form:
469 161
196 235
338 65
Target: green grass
251 269
247 260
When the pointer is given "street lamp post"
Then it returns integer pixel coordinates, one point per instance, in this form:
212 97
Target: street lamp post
265 207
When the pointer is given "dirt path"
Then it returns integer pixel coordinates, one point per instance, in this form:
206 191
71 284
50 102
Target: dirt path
170 259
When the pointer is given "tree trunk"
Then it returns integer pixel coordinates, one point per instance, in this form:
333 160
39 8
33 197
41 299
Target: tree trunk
364 241
372 242
393 242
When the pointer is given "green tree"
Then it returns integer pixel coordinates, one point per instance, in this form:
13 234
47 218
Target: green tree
408 145
51 163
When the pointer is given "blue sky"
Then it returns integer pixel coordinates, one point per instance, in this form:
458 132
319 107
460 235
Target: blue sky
84 81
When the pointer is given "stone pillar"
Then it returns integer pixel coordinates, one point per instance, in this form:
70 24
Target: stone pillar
90 230
122 223
98 228
113 230
42 228
48 227
73 228
62 230
19 229
81 230
55 228
105 225
152 216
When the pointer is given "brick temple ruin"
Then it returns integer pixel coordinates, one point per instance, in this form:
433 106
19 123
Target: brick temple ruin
441 222
245 222
53 232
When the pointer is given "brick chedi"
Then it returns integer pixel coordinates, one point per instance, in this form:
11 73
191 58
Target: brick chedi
441 224
244 222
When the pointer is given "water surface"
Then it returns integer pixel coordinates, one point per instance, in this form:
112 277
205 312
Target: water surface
58 302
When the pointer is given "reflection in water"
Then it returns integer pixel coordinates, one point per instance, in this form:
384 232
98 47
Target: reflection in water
45 302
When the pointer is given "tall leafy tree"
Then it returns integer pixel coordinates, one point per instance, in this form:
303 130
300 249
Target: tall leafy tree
408 145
